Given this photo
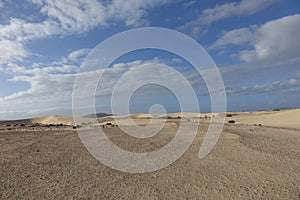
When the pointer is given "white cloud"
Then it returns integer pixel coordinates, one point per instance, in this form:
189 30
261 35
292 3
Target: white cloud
2 2
37 70
78 16
289 86
48 89
11 51
236 37
45 89
70 17
75 15
132 12
275 41
226 10
20 30
189 3
76 55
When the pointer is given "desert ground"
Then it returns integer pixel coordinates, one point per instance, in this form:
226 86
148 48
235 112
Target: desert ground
256 157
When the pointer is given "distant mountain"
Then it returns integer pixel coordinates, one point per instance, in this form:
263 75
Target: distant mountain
97 115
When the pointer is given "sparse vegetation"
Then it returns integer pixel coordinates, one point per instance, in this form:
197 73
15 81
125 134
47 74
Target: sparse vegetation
77 126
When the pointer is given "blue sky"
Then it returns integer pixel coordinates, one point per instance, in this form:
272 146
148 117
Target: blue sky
254 43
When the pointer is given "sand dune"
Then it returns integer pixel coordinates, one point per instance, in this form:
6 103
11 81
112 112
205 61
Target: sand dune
284 118
53 120
66 120
141 116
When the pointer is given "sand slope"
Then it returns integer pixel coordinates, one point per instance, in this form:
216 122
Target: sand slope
284 118
66 120
53 120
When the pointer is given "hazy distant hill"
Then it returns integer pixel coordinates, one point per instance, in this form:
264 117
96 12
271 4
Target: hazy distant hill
98 115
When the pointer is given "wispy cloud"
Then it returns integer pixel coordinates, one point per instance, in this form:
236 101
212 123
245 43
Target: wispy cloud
2 2
189 3
288 87
240 36
39 70
61 18
77 55
208 16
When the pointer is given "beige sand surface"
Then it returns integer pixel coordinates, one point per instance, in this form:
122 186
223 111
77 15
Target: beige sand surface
59 119
283 118
248 162
53 120
66 120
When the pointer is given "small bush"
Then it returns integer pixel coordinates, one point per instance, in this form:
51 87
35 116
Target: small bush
231 121
76 127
